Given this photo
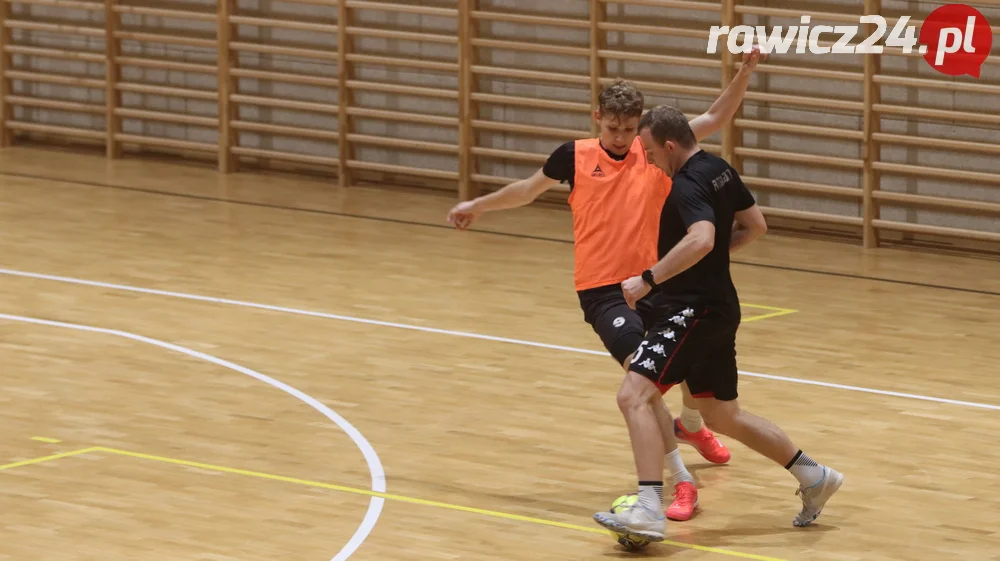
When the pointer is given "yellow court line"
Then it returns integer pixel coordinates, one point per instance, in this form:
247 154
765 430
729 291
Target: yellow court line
412 500
770 315
773 308
48 458
47 440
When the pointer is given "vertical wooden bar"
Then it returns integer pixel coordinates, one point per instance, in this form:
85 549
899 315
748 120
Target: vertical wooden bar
227 85
730 136
870 149
343 93
598 11
112 73
467 189
6 64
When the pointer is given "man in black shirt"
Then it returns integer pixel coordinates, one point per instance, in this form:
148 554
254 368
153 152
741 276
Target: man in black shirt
708 214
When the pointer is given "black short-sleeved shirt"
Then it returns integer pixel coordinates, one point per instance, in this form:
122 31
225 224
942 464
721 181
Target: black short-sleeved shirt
705 188
561 164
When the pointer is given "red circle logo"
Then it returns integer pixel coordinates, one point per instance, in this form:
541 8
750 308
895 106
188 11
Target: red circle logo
956 39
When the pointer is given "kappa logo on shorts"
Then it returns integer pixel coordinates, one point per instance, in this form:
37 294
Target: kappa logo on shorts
619 321
669 334
679 320
648 364
658 349
597 172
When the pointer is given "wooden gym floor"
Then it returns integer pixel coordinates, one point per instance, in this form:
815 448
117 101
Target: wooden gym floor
189 378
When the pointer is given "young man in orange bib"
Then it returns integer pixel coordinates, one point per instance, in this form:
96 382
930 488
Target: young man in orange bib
616 195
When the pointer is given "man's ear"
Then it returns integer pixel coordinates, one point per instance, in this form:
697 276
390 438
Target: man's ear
597 115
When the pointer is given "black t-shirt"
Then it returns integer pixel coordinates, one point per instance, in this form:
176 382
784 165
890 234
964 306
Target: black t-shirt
705 188
561 164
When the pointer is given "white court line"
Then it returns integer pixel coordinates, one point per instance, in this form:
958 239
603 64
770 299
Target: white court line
371 457
297 311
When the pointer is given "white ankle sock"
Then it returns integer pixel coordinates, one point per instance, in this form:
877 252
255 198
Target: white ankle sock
651 495
676 466
691 419
805 469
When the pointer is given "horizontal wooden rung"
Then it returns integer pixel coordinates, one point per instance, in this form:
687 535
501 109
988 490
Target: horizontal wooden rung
670 87
529 46
53 129
653 29
402 62
809 72
167 142
807 130
530 19
536 75
936 230
54 79
166 39
285 130
806 101
402 35
45 52
509 155
939 114
942 173
530 129
530 102
55 104
949 85
817 16
675 4
801 187
660 59
284 103
153 89
284 23
285 156
287 77
130 113
402 116
401 89
288 50
54 28
402 8
166 64
821 217
196 15
68 4
403 143
402 170
812 159
927 201
937 143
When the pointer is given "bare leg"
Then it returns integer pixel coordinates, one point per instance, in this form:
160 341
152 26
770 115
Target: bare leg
757 433
637 400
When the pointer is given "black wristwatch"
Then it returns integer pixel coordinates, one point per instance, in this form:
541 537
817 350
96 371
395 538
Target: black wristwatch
647 276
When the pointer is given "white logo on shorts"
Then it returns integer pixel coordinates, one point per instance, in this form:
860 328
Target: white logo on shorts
619 321
648 364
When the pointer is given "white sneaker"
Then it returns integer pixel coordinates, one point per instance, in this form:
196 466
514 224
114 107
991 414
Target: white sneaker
813 498
636 520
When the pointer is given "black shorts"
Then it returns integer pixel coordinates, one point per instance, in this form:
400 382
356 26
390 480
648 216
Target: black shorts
620 328
693 345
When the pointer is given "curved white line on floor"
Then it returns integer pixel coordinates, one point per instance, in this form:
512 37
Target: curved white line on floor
374 464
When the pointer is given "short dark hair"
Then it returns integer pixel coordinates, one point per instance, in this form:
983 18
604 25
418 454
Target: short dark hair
621 99
668 123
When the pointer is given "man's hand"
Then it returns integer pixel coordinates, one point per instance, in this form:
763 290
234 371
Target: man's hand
463 214
634 289
750 59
